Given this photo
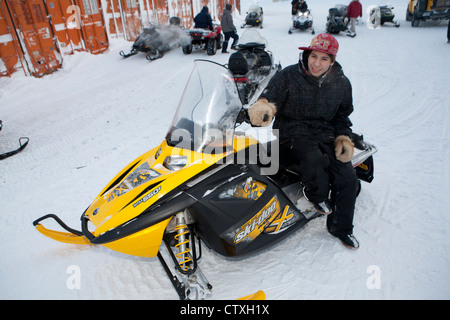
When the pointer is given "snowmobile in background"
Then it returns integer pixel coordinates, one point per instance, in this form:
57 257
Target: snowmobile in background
254 17
302 21
337 19
252 65
379 15
422 10
204 39
206 182
387 15
23 145
155 40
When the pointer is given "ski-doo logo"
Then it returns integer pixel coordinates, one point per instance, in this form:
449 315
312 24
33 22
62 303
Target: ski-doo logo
253 228
282 221
150 195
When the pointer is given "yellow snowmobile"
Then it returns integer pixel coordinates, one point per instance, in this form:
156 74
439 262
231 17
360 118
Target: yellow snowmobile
204 183
422 10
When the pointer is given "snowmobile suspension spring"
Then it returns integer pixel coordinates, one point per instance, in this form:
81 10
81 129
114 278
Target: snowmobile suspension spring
183 241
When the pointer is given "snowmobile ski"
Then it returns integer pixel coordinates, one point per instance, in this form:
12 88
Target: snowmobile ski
127 55
150 56
23 145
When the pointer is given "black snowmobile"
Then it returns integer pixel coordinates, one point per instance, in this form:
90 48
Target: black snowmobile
155 40
252 65
379 15
387 15
205 182
337 19
303 20
254 17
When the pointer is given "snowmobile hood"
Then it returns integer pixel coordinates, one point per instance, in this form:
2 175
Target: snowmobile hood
156 176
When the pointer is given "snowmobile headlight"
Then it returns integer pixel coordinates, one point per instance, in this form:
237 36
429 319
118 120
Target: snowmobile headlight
175 163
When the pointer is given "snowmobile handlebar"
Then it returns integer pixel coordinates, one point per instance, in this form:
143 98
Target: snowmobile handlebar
244 117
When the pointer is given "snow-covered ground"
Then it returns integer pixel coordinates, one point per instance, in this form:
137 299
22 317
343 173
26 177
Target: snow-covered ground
91 118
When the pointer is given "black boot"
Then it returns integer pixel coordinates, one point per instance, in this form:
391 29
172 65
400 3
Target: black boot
224 47
349 241
323 207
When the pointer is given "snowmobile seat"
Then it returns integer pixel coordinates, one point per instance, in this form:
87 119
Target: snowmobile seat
237 63
339 10
241 62
439 4
334 12
263 57
252 60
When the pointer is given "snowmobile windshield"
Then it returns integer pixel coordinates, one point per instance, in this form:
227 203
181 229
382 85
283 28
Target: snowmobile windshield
207 113
254 8
251 37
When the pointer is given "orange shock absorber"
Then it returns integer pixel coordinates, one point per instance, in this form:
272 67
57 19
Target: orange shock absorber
182 237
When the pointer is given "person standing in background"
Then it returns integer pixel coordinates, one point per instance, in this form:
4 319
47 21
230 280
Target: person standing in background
354 10
228 28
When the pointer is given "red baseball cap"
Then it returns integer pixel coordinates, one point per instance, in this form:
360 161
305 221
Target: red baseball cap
323 43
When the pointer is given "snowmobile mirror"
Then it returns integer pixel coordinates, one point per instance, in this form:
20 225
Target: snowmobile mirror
358 140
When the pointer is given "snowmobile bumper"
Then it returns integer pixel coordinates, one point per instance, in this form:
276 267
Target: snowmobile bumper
72 237
144 243
126 55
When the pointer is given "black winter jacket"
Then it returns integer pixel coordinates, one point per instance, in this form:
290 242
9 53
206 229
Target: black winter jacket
311 107
203 19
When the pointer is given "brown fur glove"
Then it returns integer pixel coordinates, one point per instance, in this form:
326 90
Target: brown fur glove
343 148
259 109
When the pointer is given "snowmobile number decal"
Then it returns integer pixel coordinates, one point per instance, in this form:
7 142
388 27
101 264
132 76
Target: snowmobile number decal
253 228
150 195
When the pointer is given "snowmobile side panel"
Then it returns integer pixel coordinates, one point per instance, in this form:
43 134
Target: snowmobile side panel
144 243
150 217
240 211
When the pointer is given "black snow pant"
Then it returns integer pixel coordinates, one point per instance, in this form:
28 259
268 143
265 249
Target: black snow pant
228 35
320 172
448 29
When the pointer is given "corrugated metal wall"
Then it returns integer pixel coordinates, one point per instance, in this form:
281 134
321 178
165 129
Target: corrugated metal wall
36 34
